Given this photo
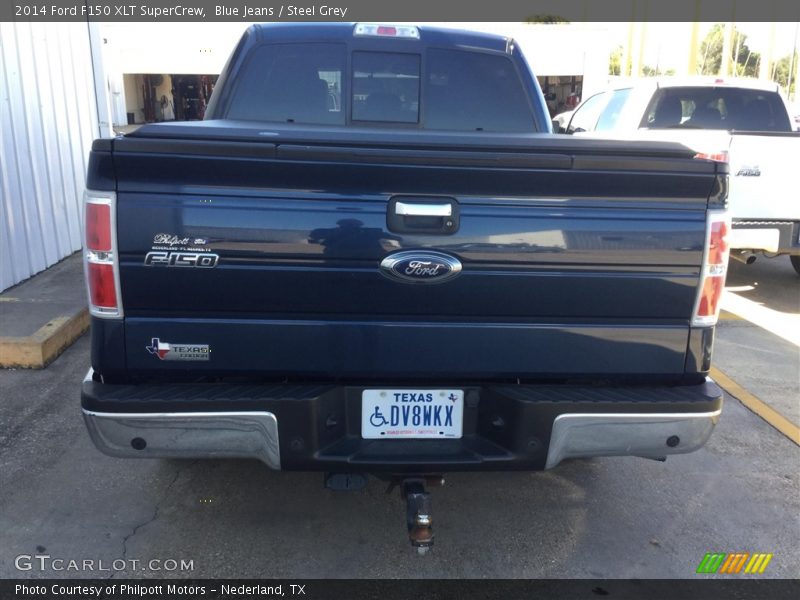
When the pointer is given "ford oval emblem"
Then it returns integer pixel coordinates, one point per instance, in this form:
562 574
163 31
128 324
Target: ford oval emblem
421 266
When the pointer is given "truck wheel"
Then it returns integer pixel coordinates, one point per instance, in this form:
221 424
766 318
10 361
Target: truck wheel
795 262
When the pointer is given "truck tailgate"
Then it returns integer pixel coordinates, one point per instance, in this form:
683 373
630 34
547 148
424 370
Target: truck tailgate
578 258
763 173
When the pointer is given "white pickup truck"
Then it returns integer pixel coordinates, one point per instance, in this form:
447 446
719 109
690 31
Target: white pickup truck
745 122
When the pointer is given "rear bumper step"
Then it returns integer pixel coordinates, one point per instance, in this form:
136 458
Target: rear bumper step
187 435
318 427
648 436
782 237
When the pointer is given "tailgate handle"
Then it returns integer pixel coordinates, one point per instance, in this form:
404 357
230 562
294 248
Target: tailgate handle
421 214
423 210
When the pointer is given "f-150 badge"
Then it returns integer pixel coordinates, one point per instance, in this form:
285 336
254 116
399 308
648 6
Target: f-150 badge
749 171
175 351
420 266
162 258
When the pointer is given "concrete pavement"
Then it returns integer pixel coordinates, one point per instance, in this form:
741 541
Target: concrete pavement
43 315
758 347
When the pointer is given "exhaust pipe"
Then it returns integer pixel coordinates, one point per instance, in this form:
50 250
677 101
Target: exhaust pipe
744 256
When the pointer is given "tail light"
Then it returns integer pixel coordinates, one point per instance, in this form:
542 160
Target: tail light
100 255
396 31
714 269
720 156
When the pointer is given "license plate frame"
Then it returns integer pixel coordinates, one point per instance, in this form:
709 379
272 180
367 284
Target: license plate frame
391 414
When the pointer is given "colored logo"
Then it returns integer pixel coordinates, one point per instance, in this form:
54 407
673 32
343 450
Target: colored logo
420 266
159 348
175 351
735 563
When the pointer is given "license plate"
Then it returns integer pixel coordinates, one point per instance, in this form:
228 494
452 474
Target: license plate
393 414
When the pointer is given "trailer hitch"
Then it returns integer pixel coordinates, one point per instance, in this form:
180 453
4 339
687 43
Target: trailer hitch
418 509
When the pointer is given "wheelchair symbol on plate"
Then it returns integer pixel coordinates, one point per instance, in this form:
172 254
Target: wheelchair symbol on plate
377 419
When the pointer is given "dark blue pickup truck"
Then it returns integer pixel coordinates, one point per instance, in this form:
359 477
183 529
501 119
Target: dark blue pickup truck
373 256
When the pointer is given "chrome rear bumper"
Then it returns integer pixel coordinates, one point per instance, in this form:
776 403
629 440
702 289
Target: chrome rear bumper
646 435
780 237
187 435
219 432
255 435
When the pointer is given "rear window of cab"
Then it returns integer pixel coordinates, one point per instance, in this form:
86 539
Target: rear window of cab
453 90
728 108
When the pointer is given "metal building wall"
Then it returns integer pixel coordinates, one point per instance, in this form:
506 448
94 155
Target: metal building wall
48 119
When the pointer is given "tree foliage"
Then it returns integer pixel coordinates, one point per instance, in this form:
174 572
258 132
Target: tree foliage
615 61
648 71
745 62
780 72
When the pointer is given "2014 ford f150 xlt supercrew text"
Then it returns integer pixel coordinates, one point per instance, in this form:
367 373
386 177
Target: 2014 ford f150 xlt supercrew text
373 256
